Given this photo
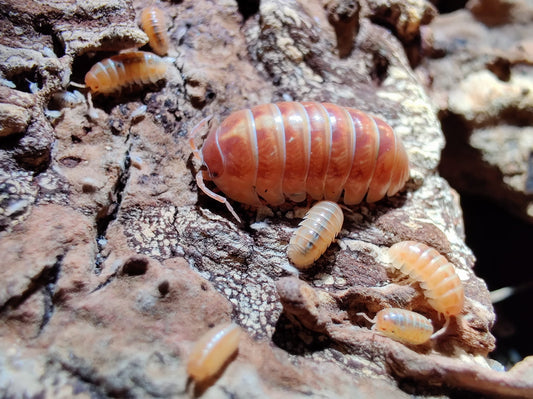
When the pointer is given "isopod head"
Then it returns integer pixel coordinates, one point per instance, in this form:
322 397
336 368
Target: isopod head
226 165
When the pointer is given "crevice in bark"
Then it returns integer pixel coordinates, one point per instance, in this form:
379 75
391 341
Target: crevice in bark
45 281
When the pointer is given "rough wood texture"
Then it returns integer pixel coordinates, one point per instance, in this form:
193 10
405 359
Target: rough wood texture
479 70
113 264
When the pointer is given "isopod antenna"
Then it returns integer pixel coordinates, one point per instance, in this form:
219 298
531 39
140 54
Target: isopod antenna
200 175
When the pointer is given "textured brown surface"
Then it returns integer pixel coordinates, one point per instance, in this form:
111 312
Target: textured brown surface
479 73
114 264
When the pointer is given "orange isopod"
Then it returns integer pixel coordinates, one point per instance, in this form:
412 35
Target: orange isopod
435 274
153 23
402 325
125 69
274 152
211 352
316 232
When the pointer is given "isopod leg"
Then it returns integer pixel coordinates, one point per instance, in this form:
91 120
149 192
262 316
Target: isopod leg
442 330
78 85
195 150
91 111
373 321
219 198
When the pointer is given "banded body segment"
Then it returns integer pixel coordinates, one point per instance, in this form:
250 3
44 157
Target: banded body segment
291 150
385 161
320 137
153 23
211 352
316 232
269 130
297 149
125 69
403 325
366 154
342 151
435 274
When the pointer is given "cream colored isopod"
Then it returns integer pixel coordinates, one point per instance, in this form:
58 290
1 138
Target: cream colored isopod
402 325
211 352
315 233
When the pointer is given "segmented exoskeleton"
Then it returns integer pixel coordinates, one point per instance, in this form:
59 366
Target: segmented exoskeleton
289 150
153 23
316 232
125 69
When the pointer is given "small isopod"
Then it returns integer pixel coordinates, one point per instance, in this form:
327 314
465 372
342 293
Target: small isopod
125 69
402 325
316 232
67 99
289 150
435 274
211 352
153 23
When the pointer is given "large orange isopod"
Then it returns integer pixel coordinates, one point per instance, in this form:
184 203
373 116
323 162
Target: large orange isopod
274 152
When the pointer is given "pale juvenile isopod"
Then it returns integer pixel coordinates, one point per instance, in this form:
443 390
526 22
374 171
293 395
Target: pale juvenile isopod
315 233
153 23
211 352
289 150
123 70
435 274
402 325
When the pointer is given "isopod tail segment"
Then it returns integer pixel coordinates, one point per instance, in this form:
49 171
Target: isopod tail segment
201 174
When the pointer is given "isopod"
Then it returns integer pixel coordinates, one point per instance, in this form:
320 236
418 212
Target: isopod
64 99
211 352
125 69
435 274
319 228
153 23
402 325
272 152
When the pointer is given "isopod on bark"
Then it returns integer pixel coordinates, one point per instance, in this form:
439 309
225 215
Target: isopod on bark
211 352
273 152
435 274
315 233
402 325
153 23
125 69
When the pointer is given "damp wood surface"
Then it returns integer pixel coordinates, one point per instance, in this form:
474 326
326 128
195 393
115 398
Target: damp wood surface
115 263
